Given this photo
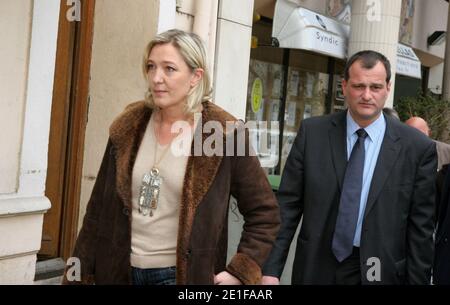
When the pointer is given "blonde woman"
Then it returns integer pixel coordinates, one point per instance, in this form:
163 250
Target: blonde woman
159 217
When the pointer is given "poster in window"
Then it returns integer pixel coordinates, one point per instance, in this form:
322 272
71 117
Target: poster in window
323 83
339 93
257 94
307 112
406 22
340 10
291 109
293 83
310 82
259 68
277 71
274 110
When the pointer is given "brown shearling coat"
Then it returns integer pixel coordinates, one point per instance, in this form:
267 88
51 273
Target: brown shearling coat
104 243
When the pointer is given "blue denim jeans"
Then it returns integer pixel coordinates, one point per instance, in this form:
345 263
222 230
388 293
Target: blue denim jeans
153 276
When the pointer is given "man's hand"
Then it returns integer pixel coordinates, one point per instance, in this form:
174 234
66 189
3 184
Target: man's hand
225 278
270 280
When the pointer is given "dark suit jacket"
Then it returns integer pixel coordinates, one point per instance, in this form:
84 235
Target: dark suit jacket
399 216
441 270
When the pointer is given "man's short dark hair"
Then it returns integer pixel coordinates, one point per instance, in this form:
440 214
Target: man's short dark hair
368 59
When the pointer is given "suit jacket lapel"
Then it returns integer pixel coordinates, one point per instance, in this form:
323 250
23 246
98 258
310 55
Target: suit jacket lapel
387 157
337 136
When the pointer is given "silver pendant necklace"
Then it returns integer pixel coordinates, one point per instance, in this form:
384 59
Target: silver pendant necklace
150 188
151 184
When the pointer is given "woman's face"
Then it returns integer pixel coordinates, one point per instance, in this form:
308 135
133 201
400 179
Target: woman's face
170 78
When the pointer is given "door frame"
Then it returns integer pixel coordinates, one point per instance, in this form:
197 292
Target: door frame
77 121
68 125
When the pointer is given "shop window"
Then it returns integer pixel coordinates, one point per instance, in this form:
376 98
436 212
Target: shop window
286 86
337 96
264 101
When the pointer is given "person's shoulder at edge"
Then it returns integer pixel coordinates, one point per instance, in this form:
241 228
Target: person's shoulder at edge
442 144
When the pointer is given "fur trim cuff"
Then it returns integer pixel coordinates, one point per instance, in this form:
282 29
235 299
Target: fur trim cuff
245 269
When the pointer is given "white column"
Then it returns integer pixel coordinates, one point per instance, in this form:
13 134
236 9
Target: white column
167 13
375 26
205 25
234 32
39 98
21 213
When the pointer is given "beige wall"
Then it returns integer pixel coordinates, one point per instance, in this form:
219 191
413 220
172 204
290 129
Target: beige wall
122 29
18 257
435 78
28 33
429 16
15 33
185 15
318 6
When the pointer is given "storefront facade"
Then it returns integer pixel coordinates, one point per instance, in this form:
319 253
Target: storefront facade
297 61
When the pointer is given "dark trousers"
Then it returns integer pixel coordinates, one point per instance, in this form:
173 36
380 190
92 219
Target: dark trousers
348 271
153 276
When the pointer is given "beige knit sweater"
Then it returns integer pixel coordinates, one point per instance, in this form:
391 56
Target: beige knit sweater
154 239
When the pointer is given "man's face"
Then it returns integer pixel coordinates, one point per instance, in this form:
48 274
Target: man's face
366 92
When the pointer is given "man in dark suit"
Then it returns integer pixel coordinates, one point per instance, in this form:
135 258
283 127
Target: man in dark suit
365 186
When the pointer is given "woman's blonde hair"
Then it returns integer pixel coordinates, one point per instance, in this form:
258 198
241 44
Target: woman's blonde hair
193 52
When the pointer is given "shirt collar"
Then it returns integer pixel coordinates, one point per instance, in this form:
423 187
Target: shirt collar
374 130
